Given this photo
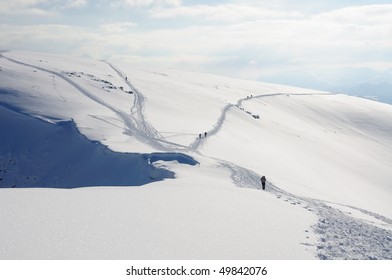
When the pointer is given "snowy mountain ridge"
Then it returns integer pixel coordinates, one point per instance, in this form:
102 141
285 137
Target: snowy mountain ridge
196 145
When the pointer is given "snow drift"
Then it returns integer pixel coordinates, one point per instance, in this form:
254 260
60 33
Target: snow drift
78 122
35 153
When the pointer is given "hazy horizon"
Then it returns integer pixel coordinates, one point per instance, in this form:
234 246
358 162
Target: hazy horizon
329 45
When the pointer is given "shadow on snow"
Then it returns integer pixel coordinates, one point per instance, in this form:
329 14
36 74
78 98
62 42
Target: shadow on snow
36 153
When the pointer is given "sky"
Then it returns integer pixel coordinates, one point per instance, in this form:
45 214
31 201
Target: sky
246 39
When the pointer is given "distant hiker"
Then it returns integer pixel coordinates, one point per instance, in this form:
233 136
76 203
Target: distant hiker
126 78
205 134
199 135
262 179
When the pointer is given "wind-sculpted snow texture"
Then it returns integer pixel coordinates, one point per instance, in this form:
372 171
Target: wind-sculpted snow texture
340 236
36 153
113 175
135 124
181 158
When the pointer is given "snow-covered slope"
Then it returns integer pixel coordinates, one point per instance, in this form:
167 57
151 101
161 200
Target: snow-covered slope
70 122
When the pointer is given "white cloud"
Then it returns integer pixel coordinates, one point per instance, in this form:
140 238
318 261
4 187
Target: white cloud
223 12
62 39
225 38
146 3
76 3
19 3
34 7
359 36
118 27
23 7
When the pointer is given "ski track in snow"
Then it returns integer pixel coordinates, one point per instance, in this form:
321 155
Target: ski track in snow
135 124
152 133
159 141
340 236
140 120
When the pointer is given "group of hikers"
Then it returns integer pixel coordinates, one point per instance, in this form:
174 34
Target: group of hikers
201 135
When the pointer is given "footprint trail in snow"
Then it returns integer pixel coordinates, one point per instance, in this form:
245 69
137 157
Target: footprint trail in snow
135 123
340 236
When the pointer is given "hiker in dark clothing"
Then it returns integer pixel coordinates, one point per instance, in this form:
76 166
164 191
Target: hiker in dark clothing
205 134
199 135
263 180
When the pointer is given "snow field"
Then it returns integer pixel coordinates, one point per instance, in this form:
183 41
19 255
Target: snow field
319 152
309 153
200 214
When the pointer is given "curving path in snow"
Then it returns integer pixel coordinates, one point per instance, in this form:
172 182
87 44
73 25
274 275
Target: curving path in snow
195 145
151 133
137 113
159 141
141 124
341 236
135 124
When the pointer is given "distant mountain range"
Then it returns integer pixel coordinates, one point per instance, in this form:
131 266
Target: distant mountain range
362 82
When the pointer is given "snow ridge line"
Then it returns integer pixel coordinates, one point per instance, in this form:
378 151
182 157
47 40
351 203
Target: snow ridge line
96 99
142 124
134 128
121 114
339 236
138 113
